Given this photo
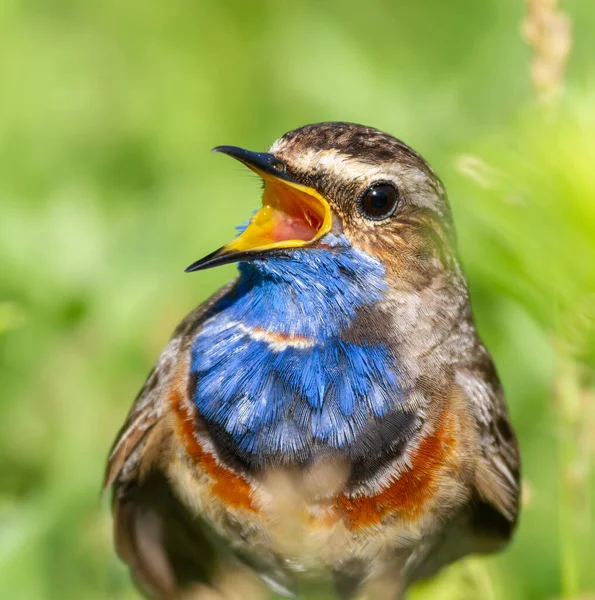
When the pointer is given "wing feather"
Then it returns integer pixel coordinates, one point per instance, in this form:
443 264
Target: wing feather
497 477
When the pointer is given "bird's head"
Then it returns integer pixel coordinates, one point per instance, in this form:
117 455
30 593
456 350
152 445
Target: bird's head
340 180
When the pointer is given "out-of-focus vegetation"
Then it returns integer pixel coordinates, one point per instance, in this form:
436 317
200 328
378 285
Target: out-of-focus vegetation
107 191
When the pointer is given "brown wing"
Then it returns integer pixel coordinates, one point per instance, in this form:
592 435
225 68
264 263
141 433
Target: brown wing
166 548
497 479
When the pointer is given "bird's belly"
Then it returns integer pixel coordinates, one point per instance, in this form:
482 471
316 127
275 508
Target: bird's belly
278 525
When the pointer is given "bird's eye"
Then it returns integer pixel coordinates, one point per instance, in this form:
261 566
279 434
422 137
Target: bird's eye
379 201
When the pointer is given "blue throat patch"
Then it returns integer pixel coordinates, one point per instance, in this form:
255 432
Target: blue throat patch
271 367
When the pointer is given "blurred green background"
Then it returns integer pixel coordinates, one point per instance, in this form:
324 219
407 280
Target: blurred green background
107 191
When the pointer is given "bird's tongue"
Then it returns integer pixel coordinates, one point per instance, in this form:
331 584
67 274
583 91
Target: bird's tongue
290 227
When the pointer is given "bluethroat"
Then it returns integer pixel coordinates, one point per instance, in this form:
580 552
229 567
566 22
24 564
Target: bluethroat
330 415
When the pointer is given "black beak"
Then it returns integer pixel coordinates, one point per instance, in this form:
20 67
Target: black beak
261 162
224 257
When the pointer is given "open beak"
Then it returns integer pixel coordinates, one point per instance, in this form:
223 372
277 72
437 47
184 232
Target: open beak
292 215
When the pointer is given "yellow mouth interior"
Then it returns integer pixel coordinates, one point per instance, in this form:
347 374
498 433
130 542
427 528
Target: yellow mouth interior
291 216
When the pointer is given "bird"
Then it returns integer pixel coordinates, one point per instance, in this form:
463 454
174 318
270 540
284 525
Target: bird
329 419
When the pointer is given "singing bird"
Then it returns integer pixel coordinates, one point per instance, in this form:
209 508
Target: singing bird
330 415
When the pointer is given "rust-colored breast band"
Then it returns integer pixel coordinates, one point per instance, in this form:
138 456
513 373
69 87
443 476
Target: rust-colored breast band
228 487
408 494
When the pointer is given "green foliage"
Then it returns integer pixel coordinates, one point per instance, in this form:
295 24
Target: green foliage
107 191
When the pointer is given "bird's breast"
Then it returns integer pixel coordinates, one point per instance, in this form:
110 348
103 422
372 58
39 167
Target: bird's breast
279 384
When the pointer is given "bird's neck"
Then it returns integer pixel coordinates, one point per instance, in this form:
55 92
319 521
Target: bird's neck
274 372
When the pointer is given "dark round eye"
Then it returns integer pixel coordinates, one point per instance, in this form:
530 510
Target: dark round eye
379 201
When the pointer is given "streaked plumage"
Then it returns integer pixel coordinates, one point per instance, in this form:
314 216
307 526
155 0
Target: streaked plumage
331 414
